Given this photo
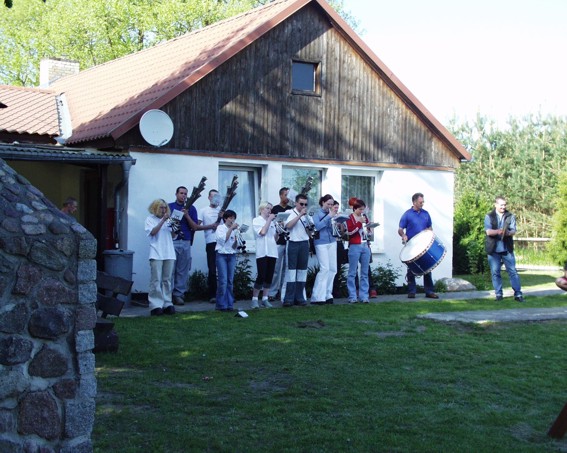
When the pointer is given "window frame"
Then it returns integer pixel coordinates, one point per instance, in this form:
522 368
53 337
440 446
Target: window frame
317 74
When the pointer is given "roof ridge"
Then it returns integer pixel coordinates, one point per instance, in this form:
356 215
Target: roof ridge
30 89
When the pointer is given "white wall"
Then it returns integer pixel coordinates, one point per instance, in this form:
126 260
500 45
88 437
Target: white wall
157 176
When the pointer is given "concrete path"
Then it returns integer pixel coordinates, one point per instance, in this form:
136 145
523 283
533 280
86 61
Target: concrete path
517 314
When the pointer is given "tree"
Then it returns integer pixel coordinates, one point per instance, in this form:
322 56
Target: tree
558 245
521 162
95 31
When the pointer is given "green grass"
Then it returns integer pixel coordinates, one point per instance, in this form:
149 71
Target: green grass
341 378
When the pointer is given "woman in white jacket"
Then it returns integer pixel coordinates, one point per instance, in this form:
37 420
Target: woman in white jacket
162 259
266 253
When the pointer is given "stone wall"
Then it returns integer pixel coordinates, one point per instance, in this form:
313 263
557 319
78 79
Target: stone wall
47 313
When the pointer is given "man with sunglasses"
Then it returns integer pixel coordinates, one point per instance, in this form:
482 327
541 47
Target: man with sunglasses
297 253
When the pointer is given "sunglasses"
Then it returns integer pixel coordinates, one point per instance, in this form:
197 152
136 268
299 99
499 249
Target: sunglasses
303 204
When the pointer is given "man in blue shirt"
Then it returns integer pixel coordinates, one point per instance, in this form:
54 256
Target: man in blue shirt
414 221
500 227
188 224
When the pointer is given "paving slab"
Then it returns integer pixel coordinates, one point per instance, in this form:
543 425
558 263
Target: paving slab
131 310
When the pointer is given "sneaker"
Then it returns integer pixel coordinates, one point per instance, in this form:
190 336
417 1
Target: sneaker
519 298
271 299
170 310
178 300
432 296
411 296
213 300
499 298
254 304
330 301
156 312
373 294
365 302
266 303
352 301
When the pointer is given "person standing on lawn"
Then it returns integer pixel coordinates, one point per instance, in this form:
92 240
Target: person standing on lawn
209 216
500 227
226 260
266 253
278 281
326 251
414 221
162 259
188 225
297 253
358 252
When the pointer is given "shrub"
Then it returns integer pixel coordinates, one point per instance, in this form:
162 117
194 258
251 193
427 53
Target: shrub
468 237
243 279
197 286
384 278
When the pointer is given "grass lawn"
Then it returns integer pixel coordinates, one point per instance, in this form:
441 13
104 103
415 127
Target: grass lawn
352 378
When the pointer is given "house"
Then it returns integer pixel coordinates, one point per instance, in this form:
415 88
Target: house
282 92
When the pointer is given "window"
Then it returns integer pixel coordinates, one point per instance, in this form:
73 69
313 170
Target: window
365 186
296 177
245 202
361 187
305 77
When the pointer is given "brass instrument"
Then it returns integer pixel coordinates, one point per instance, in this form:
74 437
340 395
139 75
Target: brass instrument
279 223
174 222
240 242
309 224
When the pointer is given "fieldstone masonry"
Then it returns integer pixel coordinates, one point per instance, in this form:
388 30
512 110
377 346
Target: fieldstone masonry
47 316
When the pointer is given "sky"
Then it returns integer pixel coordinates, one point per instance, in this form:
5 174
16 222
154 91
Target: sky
499 58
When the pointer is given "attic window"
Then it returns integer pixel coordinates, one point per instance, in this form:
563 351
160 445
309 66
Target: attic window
305 77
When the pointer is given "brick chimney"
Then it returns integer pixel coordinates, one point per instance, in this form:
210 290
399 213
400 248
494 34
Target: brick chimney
52 69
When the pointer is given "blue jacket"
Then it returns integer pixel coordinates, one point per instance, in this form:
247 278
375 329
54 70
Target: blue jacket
322 221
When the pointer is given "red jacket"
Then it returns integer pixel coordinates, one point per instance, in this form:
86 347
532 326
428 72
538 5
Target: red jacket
352 225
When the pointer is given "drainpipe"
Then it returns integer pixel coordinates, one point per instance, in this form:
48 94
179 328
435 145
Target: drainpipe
117 219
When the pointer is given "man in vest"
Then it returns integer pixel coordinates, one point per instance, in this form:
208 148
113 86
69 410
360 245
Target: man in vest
500 227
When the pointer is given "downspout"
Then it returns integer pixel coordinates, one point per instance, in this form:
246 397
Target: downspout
117 219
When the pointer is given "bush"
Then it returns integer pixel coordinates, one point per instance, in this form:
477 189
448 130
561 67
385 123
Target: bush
558 245
384 278
468 237
243 279
197 286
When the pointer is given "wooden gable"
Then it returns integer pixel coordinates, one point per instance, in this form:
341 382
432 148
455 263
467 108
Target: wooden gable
245 108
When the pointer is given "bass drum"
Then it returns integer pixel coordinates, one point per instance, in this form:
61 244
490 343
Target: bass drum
423 253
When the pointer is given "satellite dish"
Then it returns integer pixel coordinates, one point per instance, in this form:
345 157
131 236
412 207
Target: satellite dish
156 127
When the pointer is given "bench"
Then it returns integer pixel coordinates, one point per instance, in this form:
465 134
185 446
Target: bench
109 288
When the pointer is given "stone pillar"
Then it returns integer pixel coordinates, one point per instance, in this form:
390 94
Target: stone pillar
47 313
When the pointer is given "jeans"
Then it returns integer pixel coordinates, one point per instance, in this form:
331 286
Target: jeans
278 280
226 264
212 266
358 253
427 283
182 267
297 259
495 261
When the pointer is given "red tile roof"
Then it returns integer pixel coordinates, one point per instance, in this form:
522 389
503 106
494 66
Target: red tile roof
28 111
108 100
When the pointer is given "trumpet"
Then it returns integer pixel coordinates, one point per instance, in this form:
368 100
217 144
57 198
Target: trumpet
310 227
